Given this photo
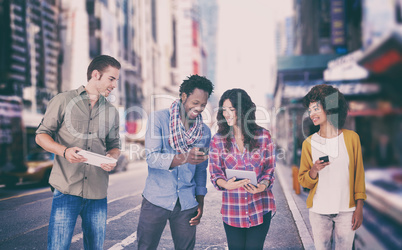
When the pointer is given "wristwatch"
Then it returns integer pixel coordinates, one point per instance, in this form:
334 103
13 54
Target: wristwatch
266 183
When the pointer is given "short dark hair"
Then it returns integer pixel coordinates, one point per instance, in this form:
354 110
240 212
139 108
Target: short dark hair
333 102
100 63
195 81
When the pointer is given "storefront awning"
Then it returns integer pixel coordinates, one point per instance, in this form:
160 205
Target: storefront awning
304 62
345 68
298 89
385 57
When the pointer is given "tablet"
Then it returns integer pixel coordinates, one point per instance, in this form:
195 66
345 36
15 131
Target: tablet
242 174
96 159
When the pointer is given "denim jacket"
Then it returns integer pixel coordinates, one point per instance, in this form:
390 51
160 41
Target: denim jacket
163 185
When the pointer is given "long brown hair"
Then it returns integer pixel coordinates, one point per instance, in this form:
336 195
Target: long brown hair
245 111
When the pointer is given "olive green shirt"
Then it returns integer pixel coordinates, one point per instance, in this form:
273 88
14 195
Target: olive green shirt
70 121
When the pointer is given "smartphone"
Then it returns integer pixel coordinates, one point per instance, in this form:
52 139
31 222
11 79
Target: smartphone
324 158
204 149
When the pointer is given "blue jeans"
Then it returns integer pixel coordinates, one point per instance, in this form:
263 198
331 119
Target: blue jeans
65 211
252 238
332 229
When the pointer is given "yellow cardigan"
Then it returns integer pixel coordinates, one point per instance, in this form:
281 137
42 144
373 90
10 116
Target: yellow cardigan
356 170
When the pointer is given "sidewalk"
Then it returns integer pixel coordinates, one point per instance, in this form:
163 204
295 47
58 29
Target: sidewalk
364 239
297 205
287 231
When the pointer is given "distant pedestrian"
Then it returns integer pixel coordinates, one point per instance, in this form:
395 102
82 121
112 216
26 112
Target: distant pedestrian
337 186
384 151
176 182
75 120
241 144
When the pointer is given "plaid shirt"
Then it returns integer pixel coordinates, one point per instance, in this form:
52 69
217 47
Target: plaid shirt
240 208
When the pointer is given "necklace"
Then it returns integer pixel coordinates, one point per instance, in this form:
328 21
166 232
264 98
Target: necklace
338 132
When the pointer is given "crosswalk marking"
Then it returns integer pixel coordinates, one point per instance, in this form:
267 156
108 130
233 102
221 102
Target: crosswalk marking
126 242
79 236
26 194
123 197
23 233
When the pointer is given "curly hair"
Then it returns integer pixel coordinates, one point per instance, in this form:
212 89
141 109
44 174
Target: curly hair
245 111
333 102
195 81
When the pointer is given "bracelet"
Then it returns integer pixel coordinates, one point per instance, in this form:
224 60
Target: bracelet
64 154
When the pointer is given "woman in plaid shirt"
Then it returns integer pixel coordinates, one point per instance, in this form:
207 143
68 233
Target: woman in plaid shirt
241 144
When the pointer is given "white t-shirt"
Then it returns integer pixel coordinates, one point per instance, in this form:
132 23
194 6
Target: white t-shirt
332 194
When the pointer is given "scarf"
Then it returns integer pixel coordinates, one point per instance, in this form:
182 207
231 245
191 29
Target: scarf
180 139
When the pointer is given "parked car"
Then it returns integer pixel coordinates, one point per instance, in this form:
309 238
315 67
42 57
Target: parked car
39 165
121 165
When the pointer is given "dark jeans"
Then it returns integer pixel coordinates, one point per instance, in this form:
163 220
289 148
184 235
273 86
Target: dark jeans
248 238
153 220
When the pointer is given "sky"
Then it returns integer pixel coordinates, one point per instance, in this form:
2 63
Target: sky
246 46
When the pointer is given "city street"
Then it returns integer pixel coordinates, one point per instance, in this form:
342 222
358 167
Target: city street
24 213
280 53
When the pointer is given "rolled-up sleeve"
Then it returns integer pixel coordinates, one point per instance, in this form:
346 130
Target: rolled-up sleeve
360 186
268 163
215 164
156 157
113 138
53 117
200 176
305 166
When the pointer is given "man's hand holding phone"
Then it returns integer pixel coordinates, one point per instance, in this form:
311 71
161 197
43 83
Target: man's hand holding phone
205 150
195 156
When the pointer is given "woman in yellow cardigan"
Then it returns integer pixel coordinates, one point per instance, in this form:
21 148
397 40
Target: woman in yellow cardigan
337 187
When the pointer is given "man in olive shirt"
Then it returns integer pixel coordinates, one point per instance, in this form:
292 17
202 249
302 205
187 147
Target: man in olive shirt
75 120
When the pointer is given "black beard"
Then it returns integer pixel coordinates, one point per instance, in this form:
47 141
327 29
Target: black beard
184 114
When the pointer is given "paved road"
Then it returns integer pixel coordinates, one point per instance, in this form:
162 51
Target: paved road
24 214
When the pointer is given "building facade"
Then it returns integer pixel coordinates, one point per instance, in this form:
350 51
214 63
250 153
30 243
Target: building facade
321 31
46 46
29 48
356 47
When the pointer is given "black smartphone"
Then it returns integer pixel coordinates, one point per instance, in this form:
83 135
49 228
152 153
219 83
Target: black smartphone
324 158
204 149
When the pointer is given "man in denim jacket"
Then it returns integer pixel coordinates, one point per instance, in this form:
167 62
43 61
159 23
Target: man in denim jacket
176 182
